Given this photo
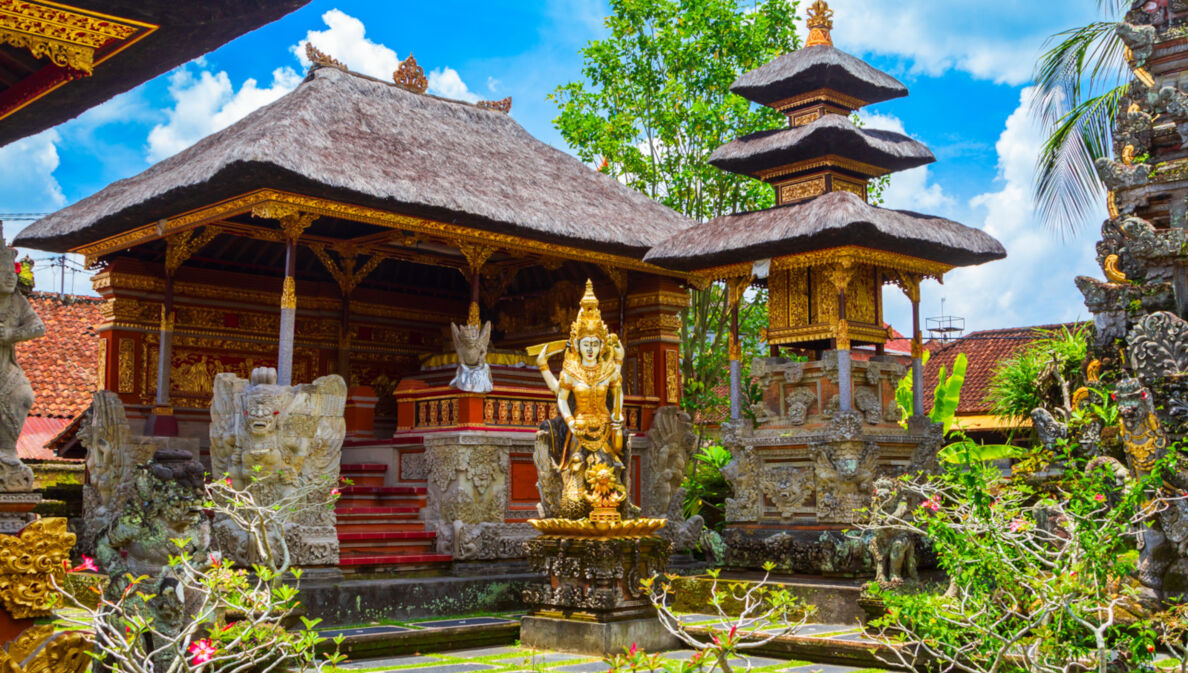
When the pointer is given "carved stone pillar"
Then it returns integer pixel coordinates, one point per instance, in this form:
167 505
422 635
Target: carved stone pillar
910 284
840 275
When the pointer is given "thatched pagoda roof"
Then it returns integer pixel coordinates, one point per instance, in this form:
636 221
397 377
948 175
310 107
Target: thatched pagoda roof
186 30
831 134
830 220
818 67
355 139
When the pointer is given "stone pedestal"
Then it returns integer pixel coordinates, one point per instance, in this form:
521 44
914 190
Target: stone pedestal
16 510
593 602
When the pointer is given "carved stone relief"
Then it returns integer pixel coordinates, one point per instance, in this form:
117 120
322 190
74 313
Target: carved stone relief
799 401
788 487
845 474
279 440
743 473
1159 346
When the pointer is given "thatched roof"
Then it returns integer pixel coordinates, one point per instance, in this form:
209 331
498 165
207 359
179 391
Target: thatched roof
831 134
827 221
187 30
819 67
355 139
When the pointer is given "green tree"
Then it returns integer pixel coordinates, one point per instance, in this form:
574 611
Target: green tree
1079 81
655 102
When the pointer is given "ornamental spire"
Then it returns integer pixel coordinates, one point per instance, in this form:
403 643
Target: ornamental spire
820 22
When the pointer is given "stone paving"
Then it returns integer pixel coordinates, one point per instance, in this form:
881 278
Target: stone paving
512 659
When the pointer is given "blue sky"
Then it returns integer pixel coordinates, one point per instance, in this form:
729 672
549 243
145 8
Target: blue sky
966 63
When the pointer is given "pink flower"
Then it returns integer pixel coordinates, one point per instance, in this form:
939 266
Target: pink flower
203 651
1017 525
633 649
335 492
228 480
87 564
1099 497
932 504
733 630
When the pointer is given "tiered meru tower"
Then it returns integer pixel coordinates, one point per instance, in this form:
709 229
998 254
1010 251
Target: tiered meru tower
826 428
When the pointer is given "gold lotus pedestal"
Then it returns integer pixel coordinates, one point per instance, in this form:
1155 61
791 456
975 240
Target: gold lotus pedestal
592 602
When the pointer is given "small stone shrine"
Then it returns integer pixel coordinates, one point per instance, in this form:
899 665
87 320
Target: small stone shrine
596 550
828 426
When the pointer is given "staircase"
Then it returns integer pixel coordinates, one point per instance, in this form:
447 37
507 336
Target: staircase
380 527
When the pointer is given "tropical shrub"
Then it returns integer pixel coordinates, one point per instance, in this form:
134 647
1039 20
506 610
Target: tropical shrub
1045 373
706 489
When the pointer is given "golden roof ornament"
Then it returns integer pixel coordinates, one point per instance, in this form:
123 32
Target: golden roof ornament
503 106
820 22
320 58
411 76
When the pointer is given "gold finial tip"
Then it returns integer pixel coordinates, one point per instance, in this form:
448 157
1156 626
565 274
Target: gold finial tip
589 300
820 22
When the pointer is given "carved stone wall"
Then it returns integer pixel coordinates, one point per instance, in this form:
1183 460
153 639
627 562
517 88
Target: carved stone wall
807 470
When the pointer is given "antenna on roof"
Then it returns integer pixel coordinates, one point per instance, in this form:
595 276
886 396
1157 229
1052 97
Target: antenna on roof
945 328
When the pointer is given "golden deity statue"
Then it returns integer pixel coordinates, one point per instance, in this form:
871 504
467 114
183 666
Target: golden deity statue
587 452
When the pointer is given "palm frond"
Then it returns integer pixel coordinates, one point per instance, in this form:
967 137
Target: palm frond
1079 82
1067 185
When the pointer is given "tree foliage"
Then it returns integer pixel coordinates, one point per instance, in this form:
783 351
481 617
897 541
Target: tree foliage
654 103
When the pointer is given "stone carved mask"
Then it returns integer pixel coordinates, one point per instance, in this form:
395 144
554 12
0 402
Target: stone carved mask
471 343
1134 403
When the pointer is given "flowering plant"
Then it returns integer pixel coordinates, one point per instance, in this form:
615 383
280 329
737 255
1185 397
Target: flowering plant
1042 575
207 614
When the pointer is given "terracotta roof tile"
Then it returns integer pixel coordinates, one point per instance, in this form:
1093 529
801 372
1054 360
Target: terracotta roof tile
984 350
62 365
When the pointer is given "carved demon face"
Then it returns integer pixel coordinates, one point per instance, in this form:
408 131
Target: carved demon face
1134 402
261 410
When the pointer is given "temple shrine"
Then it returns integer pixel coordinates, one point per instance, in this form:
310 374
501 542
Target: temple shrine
828 425
255 248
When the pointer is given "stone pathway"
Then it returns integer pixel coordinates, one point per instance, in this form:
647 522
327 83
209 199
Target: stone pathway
516 660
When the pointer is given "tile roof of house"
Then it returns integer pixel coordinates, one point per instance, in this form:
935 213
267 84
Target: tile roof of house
984 351
61 366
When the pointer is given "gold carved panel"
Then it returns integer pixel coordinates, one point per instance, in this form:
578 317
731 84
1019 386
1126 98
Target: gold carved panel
788 299
862 298
101 369
802 189
648 373
127 366
672 376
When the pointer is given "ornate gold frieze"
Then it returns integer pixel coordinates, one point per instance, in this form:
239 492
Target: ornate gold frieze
827 161
788 298
67 36
802 189
665 322
824 332
244 204
476 255
181 246
805 118
27 563
411 76
665 299
672 375
819 96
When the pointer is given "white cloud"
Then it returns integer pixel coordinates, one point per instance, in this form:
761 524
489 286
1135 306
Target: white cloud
996 42
27 182
345 39
1034 284
912 189
447 83
206 103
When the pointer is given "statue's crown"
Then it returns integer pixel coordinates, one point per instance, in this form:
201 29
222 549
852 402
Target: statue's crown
589 319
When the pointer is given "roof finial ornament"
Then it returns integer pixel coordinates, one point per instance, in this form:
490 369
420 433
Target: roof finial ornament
820 22
503 106
320 58
411 76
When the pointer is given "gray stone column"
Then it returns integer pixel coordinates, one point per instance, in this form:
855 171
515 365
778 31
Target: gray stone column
288 317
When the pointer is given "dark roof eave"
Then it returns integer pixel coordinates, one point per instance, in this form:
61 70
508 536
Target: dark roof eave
818 67
187 30
244 177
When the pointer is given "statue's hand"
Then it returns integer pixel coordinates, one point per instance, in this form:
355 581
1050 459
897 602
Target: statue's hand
542 358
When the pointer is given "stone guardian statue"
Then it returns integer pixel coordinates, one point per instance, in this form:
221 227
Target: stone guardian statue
18 323
280 441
